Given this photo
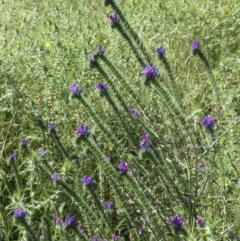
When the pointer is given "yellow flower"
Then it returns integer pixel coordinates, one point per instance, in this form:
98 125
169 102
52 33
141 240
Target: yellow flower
24 14
225 9
47 45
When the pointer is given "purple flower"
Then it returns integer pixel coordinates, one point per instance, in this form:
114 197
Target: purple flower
55 176
144 145
200 222
100 50
57 219
186 197
202 166
161 51
24 141
75 90
130 108
70 221
108 205
90 57
108 159
123 167
144 141
87 180
19 213
177 221
41 152
95 238
150 72
82 230
51 126
195 45
113 17
135 114
146 137
208 121
115 237
13 156
140 231
83 131
102 86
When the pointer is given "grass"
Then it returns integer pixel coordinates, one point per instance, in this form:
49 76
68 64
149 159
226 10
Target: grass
44 46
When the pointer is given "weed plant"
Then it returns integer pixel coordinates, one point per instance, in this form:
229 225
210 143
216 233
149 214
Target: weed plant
119 120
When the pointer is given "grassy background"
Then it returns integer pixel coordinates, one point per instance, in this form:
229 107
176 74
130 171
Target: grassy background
43 51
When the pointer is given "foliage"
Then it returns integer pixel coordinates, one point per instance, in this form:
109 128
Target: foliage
137 140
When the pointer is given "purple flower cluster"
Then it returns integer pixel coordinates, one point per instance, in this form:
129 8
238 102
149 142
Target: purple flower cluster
59 222
186 198
88 180
55 176
135 114
108 159
13 156
115 237
150 72
100 50
108 205
195 45
102 86
70 221
24 141
200 222
201 166
51 126
90 57
161 51
19 213
123 167
95 238
208 121
177 221
144 141
76 91
41 152
83 131
113 17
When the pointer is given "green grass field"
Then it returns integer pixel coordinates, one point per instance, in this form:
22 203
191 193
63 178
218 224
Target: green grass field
187 173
